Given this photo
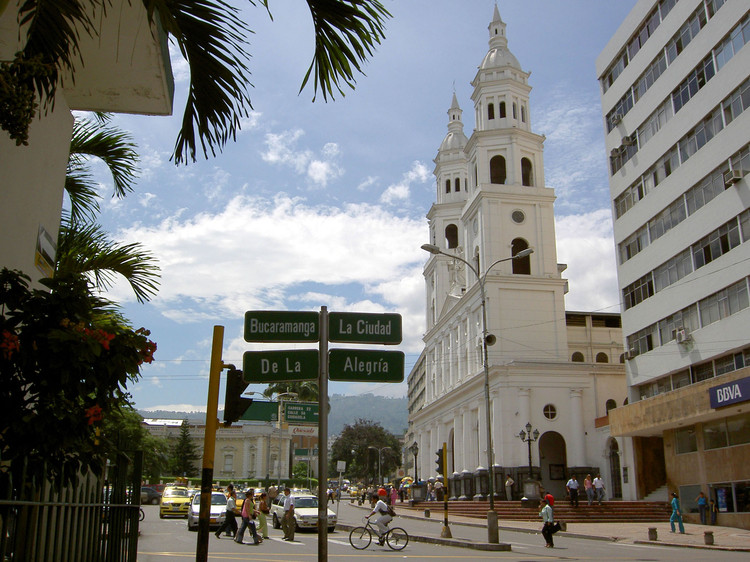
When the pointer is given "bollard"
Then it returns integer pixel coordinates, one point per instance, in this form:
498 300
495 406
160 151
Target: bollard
426 512
708 537
563 526
652 534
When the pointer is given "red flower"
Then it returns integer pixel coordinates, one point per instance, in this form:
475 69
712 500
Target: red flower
94 414
9 344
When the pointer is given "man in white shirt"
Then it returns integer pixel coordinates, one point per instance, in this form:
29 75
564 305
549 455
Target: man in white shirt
381 523
549 523
572 487
599 488
287 523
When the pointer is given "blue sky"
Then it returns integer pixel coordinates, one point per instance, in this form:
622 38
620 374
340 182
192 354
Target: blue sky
323 204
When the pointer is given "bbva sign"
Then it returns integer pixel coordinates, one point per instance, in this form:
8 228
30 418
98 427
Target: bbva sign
730 393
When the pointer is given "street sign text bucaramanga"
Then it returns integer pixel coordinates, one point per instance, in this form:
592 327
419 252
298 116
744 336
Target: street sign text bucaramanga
281 326
359 327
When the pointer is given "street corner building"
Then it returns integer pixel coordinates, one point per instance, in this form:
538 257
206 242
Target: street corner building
559 371
675 91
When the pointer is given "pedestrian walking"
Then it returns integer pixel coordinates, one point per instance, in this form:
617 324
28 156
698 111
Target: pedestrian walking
702 502
230 523
394 495
248 514
572 487
264 509
599 488
509 487
588 486
714 509
548 520
676 514
287 522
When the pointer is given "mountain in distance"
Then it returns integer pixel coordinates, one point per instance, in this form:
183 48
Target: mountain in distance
391 413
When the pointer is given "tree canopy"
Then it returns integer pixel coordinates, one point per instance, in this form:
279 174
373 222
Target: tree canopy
360 444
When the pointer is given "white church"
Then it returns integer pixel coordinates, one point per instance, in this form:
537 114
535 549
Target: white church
559 371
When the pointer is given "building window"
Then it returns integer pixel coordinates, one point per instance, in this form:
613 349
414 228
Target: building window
447 186
502 109
458 184
577 357
451 236
521 266
550 412
527 174
515 111
732 497
714 435
610 405
738 428
523 114
518 216
228 462
491 111
497 169
685 441
602 358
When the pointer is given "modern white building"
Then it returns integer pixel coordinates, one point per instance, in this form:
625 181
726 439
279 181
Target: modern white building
675 82
557 370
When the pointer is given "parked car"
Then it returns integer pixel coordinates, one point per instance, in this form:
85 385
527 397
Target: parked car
174 502
218 509
149 495
305 512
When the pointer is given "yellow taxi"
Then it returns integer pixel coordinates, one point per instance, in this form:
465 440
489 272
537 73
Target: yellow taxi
175 501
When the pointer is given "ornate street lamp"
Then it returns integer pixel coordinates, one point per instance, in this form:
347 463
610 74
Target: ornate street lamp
414 449
529 438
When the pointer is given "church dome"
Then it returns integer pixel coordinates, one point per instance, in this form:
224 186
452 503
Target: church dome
498 58
454 140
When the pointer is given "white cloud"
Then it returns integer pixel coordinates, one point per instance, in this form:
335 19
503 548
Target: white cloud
146 198
584 242
400 191
252 121
176 408
367 182
281 149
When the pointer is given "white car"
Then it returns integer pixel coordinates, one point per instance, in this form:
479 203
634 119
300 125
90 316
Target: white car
305 512
218 509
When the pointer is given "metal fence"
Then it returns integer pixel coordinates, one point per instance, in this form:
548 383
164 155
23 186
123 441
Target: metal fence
93 520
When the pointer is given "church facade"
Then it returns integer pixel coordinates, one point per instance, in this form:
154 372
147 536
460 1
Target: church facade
559 371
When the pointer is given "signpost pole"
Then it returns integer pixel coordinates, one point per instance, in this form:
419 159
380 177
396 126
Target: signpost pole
323 438
209 443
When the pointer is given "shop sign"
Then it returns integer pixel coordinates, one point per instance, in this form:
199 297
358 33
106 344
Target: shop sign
730 393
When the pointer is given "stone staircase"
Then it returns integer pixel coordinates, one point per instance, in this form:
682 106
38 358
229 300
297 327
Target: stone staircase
660 494
608 512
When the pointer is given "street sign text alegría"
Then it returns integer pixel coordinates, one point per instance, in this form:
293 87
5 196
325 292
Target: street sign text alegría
361 365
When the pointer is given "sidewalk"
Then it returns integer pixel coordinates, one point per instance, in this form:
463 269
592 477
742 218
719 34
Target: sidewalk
472 533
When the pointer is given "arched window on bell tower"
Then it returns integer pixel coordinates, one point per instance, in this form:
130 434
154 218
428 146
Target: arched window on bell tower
458 184
447 186
521 266
497 169
491 111
502 109
527 174
451 236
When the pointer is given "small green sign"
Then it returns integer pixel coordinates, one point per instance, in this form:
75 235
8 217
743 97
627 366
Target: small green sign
365 365
300 412
275 366
281 326
262 411
358 327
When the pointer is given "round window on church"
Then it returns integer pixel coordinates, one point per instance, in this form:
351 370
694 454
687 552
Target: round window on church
550 412
518 217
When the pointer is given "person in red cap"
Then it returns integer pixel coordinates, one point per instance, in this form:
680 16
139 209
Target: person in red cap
382 493
381 510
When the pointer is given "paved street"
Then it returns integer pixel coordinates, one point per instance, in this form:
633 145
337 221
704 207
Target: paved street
169 540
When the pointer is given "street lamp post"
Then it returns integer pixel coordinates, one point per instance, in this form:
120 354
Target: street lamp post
415 451
529 438
380 452
492 531
281 397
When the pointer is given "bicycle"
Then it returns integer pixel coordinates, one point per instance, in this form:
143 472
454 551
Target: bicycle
360 537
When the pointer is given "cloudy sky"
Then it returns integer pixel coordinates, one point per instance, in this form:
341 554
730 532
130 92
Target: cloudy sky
323 204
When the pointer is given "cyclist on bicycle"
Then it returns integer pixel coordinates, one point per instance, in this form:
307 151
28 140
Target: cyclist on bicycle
381 523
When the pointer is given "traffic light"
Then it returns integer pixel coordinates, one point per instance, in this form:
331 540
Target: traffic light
234 405
439 461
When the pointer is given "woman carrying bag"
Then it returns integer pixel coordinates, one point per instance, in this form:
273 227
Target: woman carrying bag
264 510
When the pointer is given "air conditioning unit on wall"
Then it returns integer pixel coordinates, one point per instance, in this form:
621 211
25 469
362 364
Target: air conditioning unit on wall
732 177
616 118
630 354
629 140
681 335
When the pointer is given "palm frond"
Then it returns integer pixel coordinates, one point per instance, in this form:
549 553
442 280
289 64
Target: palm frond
346 32
85 249
114 147
213 40
84 199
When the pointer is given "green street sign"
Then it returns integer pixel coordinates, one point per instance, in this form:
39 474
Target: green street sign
357 327
281 326
276 366
300 412
358 365
262 411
